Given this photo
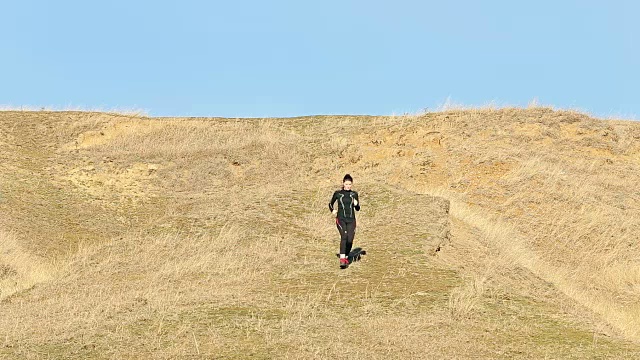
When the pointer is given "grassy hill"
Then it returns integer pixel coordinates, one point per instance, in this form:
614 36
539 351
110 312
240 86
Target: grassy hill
497 234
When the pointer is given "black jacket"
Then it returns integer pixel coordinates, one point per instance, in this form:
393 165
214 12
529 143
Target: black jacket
345 199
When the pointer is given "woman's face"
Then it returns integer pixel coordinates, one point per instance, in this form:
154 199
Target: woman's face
347 185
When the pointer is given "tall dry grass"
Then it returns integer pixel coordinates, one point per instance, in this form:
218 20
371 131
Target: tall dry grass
561 191
19 269
231 253
111 111
560 183
135 292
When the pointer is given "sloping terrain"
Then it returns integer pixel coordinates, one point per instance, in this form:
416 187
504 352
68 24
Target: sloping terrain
490 234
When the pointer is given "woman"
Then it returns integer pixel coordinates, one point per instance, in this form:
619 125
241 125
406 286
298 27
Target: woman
345 217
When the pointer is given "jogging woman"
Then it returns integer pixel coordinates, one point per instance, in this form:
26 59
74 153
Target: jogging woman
345 217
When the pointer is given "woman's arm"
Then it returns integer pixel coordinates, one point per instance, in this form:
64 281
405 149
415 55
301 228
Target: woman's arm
357 202
333 200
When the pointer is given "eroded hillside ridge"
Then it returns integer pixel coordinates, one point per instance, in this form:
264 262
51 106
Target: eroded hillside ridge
45 216
564 181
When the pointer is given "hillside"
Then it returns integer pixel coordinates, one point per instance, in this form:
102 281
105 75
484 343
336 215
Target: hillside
498 234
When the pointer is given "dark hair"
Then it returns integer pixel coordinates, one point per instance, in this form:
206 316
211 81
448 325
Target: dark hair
347 178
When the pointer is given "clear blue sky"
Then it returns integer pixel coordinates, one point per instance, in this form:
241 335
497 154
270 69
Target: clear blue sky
287 58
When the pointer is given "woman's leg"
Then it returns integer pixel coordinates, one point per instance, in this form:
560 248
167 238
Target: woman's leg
351 234
342 228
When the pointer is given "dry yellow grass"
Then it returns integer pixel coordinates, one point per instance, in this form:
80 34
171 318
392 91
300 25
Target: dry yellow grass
19 269
492 233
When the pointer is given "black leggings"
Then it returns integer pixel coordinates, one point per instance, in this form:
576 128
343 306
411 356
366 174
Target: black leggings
347 233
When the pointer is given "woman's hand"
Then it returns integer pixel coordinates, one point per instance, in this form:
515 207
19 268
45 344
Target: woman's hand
335 212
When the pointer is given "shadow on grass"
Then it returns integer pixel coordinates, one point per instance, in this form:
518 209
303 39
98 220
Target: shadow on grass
355 254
